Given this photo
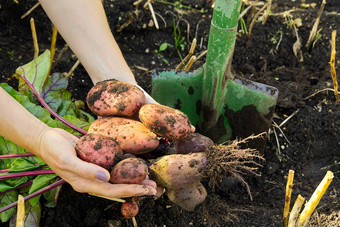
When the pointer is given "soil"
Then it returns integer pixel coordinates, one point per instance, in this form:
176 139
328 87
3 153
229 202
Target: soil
307 141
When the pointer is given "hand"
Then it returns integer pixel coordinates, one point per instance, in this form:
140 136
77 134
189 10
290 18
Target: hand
57 150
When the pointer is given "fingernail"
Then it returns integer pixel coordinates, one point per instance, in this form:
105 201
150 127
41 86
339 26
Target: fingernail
101 176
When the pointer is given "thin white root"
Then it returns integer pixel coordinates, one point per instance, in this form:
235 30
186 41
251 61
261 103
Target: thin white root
113 199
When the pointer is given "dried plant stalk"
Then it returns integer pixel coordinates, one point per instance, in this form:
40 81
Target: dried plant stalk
294 214
53 43
20 221
332 65
314 30
254 19
189 64
191 52
35 39
289 188
315 199
30 10
266 12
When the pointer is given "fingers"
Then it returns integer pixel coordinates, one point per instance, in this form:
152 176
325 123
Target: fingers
113 190
85 170
149 183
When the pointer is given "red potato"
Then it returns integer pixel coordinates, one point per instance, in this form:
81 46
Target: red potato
129 209
188 198
178 170
165 121
129 171
194 143
115 98
100 150
132 136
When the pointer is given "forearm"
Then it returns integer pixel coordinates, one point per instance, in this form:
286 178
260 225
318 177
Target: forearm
18 125
84 26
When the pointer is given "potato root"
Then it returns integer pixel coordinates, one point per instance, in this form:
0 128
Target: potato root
194 143
129 209
189 197
129 171
115 98
100 150
132 136
178 170
165 121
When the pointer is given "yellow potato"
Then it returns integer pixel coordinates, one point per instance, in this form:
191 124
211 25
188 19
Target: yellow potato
133 137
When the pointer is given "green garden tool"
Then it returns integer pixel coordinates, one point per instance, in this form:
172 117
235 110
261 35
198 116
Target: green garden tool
219 104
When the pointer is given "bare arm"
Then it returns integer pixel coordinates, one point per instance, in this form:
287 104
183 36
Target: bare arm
83 25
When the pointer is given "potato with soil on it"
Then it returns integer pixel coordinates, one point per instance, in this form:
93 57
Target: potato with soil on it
194 143
129 209
189 197
115 98
178 170
133 137
100 150
165 121
129 171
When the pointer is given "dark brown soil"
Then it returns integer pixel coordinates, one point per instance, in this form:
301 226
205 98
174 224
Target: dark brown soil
309 142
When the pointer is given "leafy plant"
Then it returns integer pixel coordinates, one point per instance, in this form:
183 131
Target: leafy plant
20 171
317 37
161 49
177 4
178 39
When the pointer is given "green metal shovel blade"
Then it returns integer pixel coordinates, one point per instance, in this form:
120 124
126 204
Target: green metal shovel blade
217 104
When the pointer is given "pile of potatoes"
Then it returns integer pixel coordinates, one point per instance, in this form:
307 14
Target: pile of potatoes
127 127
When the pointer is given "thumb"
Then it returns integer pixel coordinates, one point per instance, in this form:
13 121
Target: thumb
88 170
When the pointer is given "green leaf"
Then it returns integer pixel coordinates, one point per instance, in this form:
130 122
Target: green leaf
7 147
38 183
35 72
52 196
75 121
38 111
22 165
6 199
32 218
163 46
12 183
52 92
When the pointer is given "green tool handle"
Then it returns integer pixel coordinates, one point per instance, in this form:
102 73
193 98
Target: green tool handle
221 44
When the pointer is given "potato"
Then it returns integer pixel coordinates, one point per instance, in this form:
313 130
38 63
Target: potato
132 136
100 150
129 209
115 98
165 121
178 170
129 171
188 198
194 143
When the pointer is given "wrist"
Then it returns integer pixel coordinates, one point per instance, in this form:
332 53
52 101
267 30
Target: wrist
34 142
